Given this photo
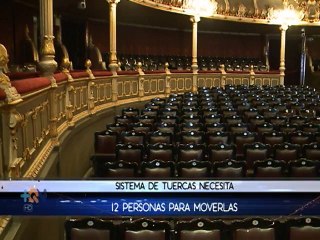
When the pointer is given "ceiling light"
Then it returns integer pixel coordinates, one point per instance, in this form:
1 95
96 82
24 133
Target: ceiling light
201 8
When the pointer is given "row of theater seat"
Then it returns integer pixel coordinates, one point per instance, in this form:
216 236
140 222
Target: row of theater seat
279 123
166 134
133 137
303 228
194 169
244 150
239 144
184 63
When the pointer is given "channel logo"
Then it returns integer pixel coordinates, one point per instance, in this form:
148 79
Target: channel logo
33 195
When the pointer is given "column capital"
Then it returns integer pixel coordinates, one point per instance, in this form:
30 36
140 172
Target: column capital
195 19
284 27
113 1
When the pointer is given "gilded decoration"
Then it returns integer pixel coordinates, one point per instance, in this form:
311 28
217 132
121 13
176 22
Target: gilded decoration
48 46
12 96
255 11
87 65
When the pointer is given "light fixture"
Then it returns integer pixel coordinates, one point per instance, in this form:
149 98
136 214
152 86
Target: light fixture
200 8
286 16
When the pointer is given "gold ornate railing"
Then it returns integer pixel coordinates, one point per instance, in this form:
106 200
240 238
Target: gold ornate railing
34 121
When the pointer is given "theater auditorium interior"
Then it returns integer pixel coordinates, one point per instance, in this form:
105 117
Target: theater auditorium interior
160 119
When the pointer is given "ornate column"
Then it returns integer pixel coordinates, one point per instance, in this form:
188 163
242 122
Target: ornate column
194 64
47 63
167 83
282 67
113 61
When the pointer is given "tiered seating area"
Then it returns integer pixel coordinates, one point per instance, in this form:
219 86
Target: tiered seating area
152 63
200 229
242 131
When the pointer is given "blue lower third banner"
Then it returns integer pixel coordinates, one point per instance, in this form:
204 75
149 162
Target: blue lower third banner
165 204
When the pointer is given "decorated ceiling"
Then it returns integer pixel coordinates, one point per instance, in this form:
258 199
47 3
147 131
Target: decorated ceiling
258 11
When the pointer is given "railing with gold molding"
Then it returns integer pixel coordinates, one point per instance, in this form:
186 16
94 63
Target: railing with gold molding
34 118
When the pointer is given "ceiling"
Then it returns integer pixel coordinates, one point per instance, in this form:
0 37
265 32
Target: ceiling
131 13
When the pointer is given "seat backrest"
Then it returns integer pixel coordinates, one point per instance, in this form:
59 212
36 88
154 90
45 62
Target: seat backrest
191 119
145 229
161 151
160 137
186 111
157 169
151 112
240 139
141 127
278 120
217 137
220 152
269 168
228 111
129 152
194 169
299 137
256 151
310 127
298 120
199 229
124 119
169 111
254 229
231 120
251 112
212 118
117 127
147 119
130 111
307 228
257 120
133 137
286 151
288 128
311 151
105 142
120 169
269 113
303 168
166 127
89 228
264 128
238 128
187 127
191 137
229 169
215 127
210 110
187 152
273 138
169 119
